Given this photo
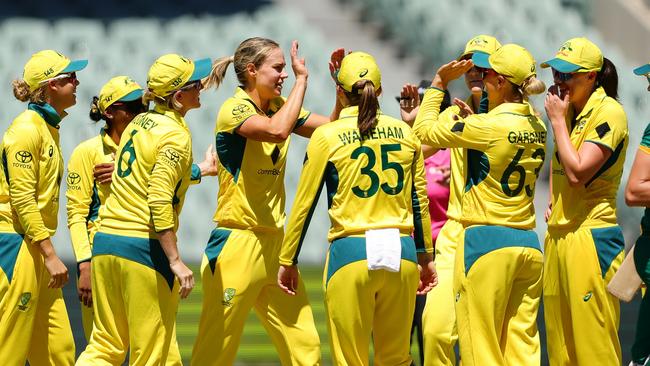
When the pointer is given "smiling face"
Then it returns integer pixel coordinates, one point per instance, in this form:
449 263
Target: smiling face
270 75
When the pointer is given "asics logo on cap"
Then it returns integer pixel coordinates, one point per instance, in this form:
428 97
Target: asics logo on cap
363 73
184 59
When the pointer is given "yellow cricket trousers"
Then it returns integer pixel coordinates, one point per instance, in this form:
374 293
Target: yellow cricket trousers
498 285
34 323
239 272
362 304
135 299
439 317
581 317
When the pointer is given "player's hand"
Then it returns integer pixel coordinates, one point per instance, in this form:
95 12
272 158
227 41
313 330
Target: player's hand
428 274
103 172
409 103
556 104
84 290
288 278
335 63
465 109
449 72
185 277
209 166
547 213
445 176
57 270
298 64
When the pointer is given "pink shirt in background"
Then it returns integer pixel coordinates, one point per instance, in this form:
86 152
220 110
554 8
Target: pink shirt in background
437 191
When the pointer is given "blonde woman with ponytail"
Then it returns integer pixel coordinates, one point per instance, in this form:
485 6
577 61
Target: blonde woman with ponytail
373 168
498 269
240 263
34 323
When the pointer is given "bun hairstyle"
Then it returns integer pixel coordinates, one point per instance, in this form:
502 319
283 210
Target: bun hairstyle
251 51
168 101
607 77
22 93
531 86
95 114
364 95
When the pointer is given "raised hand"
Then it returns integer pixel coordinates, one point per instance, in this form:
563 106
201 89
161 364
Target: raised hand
298 64
449 72
335 62
409 101
465 109
556 104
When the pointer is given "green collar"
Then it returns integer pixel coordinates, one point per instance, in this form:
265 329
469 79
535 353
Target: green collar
47 112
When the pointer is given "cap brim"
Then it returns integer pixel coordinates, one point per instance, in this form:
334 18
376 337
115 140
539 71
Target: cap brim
642 70
202 69
561 65
481 59
76 65
134 95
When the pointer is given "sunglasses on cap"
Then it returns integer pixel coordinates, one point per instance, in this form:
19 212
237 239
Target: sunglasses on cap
69 77
192 85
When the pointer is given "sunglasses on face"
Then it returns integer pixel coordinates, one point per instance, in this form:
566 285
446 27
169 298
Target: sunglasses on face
562 76
67 77
134 107
485 72
192 85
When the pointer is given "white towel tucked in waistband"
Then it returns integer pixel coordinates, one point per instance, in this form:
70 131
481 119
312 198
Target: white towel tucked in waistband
383 249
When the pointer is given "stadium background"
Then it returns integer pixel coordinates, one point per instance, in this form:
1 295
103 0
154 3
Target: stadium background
409 38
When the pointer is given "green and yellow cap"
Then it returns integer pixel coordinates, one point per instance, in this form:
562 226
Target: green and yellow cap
576 55
119 89
512 61
358 66
170 72
642 70
481 43
45 65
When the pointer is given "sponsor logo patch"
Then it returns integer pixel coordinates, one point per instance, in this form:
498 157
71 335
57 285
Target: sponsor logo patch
23 302
228 295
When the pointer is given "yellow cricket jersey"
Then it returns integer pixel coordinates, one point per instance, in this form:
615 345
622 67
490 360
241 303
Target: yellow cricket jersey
645 147
85 196
251 183
33 166
602 121
374 181
505 152
152 174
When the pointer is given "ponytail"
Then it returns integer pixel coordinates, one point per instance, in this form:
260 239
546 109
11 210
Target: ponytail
23 94
168 101
218 72
95 114
367 102
607 77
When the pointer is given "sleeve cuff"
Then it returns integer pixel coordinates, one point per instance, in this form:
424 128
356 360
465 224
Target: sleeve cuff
196 173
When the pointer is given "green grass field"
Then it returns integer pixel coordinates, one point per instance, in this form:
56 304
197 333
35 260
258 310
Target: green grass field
256 347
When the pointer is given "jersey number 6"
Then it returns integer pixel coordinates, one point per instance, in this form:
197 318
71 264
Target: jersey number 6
128 148
514 167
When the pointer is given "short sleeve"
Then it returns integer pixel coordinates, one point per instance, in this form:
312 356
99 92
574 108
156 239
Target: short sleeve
233 113
608 127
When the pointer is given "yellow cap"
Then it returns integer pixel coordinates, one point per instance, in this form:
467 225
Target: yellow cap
576 54
481 43
512 61
170 72
358 66
119 89
47 64
643 70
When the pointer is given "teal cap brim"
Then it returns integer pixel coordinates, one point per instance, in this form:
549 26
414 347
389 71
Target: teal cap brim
76 65
481 59
134 95
642 70
561 65
202 69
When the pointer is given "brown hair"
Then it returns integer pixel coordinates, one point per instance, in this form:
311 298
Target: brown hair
251 51
607 77
364 95
23 94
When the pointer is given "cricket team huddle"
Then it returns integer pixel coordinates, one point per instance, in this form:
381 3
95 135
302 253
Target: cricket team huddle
126 188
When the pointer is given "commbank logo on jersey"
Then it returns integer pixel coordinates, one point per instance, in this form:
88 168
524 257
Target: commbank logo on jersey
23 157
73 179
228 295
23 302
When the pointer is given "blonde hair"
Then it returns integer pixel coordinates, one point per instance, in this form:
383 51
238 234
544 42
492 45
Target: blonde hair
23 94
530 86
168 101
367 102
251 51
